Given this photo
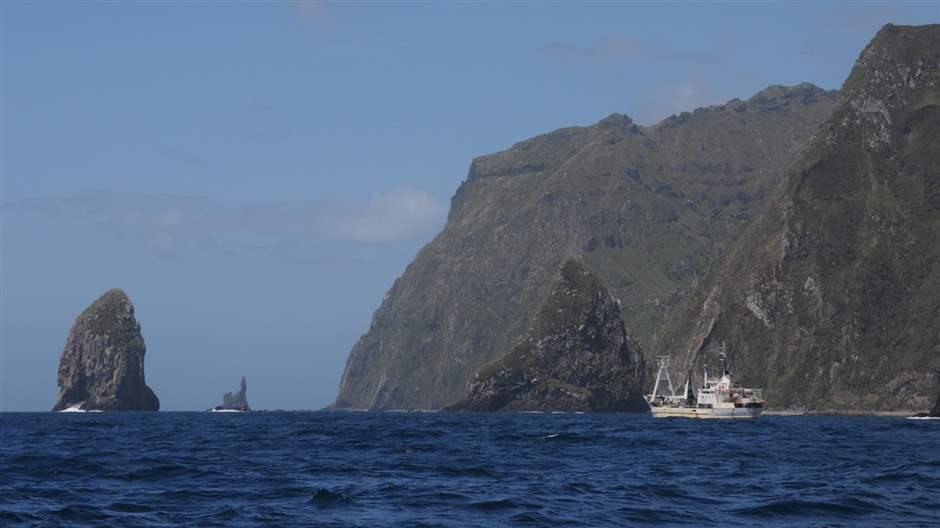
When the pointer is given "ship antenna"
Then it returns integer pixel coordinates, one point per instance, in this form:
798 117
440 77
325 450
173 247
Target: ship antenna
723 358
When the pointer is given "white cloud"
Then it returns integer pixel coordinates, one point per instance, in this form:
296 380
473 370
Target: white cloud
611 48
866 19
391 216
320 14
605 48
174 225
684 95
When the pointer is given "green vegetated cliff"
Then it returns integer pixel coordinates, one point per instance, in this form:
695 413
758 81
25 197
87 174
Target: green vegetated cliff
575 357
831 299
649 208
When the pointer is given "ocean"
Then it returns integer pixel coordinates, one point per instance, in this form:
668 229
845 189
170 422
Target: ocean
464 469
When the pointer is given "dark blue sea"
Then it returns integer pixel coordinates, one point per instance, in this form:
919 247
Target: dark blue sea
427 469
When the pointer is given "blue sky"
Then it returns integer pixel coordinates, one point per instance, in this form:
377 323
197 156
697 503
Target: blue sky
256 175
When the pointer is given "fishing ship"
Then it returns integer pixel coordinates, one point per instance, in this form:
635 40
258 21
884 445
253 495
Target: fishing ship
717 398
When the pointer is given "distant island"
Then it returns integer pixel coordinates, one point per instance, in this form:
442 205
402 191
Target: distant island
235 401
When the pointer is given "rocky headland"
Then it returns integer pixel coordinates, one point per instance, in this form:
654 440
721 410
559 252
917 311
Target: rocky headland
831 299
648 207
799 228
102 365
576 356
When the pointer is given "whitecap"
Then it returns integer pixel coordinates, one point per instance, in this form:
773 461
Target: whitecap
78 408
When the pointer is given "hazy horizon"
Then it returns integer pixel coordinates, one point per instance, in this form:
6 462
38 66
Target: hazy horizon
255 176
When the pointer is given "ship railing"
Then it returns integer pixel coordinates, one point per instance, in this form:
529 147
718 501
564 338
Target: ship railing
735 394
665 400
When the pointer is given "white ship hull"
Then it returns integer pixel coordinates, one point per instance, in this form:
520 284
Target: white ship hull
747 413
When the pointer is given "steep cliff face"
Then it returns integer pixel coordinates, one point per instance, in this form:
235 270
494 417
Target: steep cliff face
102 366
831 300
575 357
649 207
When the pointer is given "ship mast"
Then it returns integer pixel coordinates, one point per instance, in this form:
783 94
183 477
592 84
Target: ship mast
663 363
723 358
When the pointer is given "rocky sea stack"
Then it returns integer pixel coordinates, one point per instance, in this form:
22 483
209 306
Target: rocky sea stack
235 401
102 366
576 356
934 413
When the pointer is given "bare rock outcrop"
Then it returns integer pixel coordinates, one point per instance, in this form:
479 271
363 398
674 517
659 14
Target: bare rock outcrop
235 401
102 366
576 357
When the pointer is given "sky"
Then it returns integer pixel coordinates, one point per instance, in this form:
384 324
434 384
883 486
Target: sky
256 175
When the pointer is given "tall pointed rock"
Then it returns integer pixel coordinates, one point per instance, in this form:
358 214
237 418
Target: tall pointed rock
576 356
236 401
102 366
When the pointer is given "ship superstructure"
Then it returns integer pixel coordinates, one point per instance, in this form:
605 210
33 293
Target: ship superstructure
718 397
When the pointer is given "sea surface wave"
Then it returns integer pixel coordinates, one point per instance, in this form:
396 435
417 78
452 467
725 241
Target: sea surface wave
464 469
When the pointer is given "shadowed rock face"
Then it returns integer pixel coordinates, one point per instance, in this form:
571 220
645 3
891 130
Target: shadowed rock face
649 208
102 366
576 356
237 401
831 299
